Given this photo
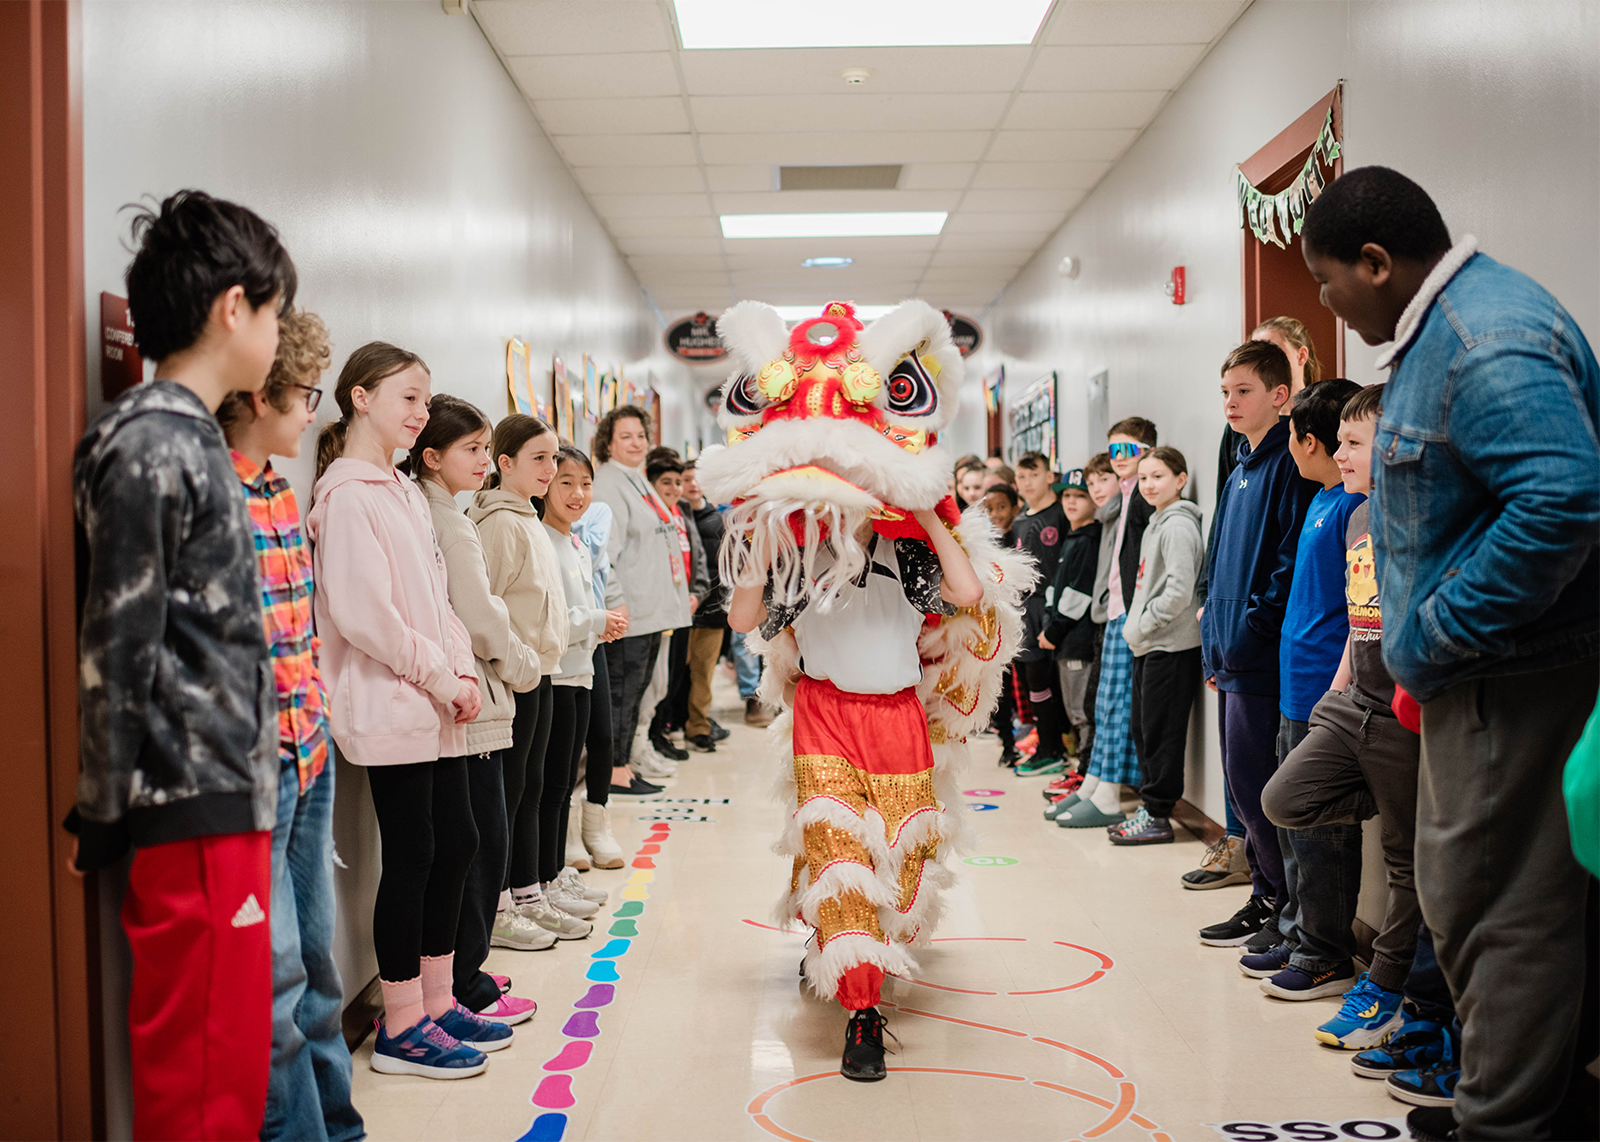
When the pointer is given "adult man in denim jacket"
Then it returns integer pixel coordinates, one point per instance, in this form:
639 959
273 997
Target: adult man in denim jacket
1485 519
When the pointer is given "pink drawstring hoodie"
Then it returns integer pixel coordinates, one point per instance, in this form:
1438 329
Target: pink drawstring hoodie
393 652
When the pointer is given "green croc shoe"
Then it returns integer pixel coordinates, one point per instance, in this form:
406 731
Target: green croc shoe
1086 815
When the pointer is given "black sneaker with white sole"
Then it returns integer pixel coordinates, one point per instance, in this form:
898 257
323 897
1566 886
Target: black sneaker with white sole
636 790
718 732
1238 928
701 742
1265 940
662 745
863 1047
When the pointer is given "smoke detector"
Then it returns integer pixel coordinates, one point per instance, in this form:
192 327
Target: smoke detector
1069 267
856 76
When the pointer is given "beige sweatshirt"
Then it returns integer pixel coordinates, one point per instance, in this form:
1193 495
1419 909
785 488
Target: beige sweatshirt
524 572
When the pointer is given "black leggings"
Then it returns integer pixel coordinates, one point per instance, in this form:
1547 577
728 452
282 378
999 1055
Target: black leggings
567 730
524 777
428 840
631 662
597 772
1044 695
480 895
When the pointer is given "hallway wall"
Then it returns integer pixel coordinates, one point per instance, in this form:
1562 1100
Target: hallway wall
421 204
1493 107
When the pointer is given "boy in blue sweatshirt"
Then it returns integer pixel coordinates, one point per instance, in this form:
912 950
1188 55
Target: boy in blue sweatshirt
1260 512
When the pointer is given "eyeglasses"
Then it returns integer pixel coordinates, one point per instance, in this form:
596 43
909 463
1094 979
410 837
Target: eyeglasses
1120 451
314 397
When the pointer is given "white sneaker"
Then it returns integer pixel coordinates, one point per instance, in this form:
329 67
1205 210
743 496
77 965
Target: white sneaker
651 766
514 930
564 925
604 852
573 883
561 896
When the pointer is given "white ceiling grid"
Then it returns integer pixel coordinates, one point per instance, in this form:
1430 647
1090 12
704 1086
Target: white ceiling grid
1008 140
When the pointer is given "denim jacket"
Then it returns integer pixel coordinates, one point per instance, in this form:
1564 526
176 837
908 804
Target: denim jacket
1486 506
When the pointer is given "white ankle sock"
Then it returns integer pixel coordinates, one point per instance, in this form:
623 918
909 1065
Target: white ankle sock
1107 797
532 894
1086 790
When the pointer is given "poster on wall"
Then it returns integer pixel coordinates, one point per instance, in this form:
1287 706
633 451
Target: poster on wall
561 401
519 392
1033 420
608 394
994 403
591 389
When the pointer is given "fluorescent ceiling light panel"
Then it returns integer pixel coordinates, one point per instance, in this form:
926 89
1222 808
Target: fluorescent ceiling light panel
807 312
856 23
826 263
871 224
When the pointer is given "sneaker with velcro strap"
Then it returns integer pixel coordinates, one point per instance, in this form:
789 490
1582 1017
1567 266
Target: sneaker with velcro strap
476 1031
427 1050
1415 1045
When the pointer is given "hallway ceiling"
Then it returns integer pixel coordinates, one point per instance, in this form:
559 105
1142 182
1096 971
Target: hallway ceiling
1007 140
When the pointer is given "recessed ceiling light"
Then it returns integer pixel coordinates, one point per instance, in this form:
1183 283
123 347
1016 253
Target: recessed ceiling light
826 263
873 224
806 312
856 23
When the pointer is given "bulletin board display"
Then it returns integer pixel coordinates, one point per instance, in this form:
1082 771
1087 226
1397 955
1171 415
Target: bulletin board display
1033 421
519 385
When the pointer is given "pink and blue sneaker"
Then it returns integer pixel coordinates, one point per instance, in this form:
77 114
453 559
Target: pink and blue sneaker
509 1009
427 1050
475 1030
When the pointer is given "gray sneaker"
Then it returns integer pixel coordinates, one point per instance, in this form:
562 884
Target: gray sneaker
1223 864
553 920
516 931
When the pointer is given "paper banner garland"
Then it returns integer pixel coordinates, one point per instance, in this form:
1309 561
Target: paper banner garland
1276 218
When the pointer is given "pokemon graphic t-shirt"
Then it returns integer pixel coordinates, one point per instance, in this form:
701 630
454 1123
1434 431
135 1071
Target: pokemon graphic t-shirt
1370 684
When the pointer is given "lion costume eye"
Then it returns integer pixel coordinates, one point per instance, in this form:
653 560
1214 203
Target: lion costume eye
911 390
744 398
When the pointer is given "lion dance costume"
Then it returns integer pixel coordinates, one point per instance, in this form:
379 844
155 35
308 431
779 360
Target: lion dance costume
830 427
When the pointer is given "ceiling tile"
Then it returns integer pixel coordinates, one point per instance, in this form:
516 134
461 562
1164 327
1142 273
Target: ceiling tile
1022 243
823 147
654 116
688 279
980 260
846 111
626 150
1083 110
567 27
639 180
1147 22
651 205
748 177
644 226
800 248
1060 146
936 176
1014 201
663 246
688 263
1153 68
815 71
831 201
1039 223
608 76
1039 176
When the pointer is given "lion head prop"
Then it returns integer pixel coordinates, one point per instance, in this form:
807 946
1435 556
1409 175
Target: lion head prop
830 425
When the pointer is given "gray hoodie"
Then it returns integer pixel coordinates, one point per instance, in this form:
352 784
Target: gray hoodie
1171 554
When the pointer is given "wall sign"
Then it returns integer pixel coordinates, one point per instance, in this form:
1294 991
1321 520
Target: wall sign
964 332
121 367
1033 420
694 339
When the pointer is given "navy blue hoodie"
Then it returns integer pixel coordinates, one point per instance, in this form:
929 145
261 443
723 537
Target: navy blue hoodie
1260 511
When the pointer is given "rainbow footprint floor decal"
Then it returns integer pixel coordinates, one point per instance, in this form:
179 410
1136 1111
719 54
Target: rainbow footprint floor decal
553 1096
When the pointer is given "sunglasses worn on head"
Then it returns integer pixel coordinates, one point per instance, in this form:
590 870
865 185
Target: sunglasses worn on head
1120 451
313 396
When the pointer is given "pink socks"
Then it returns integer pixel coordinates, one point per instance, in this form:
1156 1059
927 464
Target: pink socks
402 1004
438 984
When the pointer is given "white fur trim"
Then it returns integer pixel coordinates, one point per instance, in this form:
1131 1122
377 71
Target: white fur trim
825 967
753 333
1411 318
901 331
838 878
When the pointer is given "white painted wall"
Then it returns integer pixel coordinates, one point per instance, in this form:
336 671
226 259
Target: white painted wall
1494 107
421 203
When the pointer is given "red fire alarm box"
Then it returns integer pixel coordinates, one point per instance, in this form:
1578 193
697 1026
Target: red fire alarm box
1175 286
121 367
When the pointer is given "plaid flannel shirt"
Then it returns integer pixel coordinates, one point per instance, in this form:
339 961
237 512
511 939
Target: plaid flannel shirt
284 559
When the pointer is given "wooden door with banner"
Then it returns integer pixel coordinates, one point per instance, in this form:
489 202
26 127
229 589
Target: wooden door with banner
1275 185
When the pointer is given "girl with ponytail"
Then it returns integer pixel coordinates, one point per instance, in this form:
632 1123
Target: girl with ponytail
398 668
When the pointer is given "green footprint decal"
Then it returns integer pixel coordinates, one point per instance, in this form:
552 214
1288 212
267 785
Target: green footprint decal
631 908
623 928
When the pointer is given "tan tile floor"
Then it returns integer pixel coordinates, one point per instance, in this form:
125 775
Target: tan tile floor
709 1036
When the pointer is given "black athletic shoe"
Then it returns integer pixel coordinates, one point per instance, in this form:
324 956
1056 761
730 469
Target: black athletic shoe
718 733
636 789
863 1047
1010 756
1255 915
1432 1124
666 749
1264 941
702 742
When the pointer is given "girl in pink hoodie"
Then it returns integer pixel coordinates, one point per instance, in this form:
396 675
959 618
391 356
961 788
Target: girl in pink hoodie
402 686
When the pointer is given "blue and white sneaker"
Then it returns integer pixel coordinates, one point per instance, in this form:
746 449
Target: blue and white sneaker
474 1030
1417 1045
1260 965
1432 1086
1370 1015
1295 983
426 1050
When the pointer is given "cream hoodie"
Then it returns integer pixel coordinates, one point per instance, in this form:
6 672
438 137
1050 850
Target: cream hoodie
506 664
393 652
523 571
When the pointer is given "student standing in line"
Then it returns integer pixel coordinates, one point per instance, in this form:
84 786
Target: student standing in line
1069 630
1003 506
1164 636
401 690
1484 514
1039 532
1114 763
451 456
524 571
568 498
178 726
1260 511
308 1090
664 469
710 623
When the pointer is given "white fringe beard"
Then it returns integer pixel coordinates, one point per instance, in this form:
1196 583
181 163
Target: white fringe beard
795 562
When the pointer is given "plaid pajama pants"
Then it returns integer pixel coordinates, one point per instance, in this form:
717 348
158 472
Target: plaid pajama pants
1114 758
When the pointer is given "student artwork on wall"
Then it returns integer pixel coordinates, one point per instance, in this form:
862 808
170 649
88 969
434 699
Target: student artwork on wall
1033 420
591 389
608 394
561 400
519 390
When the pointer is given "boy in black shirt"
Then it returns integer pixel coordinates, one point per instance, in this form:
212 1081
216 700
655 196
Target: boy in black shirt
1069 628
1003 506
1039 533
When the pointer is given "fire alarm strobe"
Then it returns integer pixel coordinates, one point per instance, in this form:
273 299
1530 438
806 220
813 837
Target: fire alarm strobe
1175 285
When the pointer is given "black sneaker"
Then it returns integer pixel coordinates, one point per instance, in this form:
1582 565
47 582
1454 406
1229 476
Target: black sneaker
1009 757
636 789
1263 941
863 1047
1432 1124
665 748
702 742
718 733
1243 924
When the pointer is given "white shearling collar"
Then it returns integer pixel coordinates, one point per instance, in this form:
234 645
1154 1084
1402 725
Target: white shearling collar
1432 285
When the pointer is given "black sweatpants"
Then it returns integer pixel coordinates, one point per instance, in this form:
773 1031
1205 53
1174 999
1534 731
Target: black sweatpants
672 712
480 894
1164 686
567 730
428 839
525 766
1044 695
630 662
597 770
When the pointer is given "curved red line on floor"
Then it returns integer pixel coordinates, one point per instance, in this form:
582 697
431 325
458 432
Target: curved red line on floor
1082 1054
942 987
773 1128
768 927
952 939
964 1022
1069 987
1102 1103
1114 1119
1105 961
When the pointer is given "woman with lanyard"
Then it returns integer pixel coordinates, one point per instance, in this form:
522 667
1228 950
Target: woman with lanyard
646 560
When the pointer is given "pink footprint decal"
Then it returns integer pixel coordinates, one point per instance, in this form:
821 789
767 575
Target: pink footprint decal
554 1093
643 862
649 850
574 1055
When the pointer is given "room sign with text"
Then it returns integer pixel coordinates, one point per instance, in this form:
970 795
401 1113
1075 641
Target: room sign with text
694 339
1033 420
